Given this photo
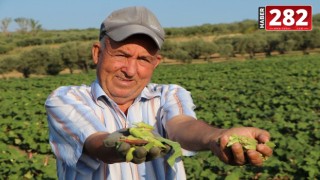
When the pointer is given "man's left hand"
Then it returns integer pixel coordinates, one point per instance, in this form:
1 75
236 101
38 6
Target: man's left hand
236 155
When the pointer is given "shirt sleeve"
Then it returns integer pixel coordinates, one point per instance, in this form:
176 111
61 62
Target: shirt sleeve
178 101
71 120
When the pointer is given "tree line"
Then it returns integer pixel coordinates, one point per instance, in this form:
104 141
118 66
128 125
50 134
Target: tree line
50 61
249 44
51 52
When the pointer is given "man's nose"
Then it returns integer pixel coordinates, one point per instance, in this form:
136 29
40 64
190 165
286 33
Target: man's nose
130 67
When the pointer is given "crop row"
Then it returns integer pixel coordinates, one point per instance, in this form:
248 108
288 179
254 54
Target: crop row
279 95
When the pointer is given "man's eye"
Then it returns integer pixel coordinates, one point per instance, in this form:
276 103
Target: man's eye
145 59
120 56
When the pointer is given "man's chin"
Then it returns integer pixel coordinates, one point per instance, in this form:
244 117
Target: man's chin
123 95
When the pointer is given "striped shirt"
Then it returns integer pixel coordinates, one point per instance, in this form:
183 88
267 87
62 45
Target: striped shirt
76 112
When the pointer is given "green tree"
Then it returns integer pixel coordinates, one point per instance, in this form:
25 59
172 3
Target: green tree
247 26
34 25
287 41
168 49
238 44
183 56
84 56
198 47
209 49
55 64
316 20
5 47
272 40
23 24
33 61
226 50
7 65
309 40
69 55
250 44
5 25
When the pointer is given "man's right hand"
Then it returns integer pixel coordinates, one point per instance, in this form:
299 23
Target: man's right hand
132 150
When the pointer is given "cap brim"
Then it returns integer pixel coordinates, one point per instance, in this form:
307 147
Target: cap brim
121 33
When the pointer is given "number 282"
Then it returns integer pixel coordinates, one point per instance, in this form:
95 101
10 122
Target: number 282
288 19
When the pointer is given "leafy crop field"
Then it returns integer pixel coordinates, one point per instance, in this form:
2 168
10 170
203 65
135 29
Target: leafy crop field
279 95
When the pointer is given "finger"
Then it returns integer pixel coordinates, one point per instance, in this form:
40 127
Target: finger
165 150
264 150
263 136
138 160
223 141
254 158
238 154
221 151
140 152
123 148
153 153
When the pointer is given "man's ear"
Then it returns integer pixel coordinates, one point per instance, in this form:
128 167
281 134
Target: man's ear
95 50
158 58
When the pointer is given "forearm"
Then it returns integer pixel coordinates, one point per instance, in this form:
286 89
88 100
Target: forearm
95 148
195 135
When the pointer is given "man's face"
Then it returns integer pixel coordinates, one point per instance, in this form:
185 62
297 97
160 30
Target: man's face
125 68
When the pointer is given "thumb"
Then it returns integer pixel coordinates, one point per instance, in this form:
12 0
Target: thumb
112 139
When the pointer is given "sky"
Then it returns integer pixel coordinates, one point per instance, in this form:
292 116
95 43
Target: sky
83 14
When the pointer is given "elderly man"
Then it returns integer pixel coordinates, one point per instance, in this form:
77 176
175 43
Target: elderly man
81 118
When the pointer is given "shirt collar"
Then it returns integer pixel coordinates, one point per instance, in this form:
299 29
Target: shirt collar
150 91
96 90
